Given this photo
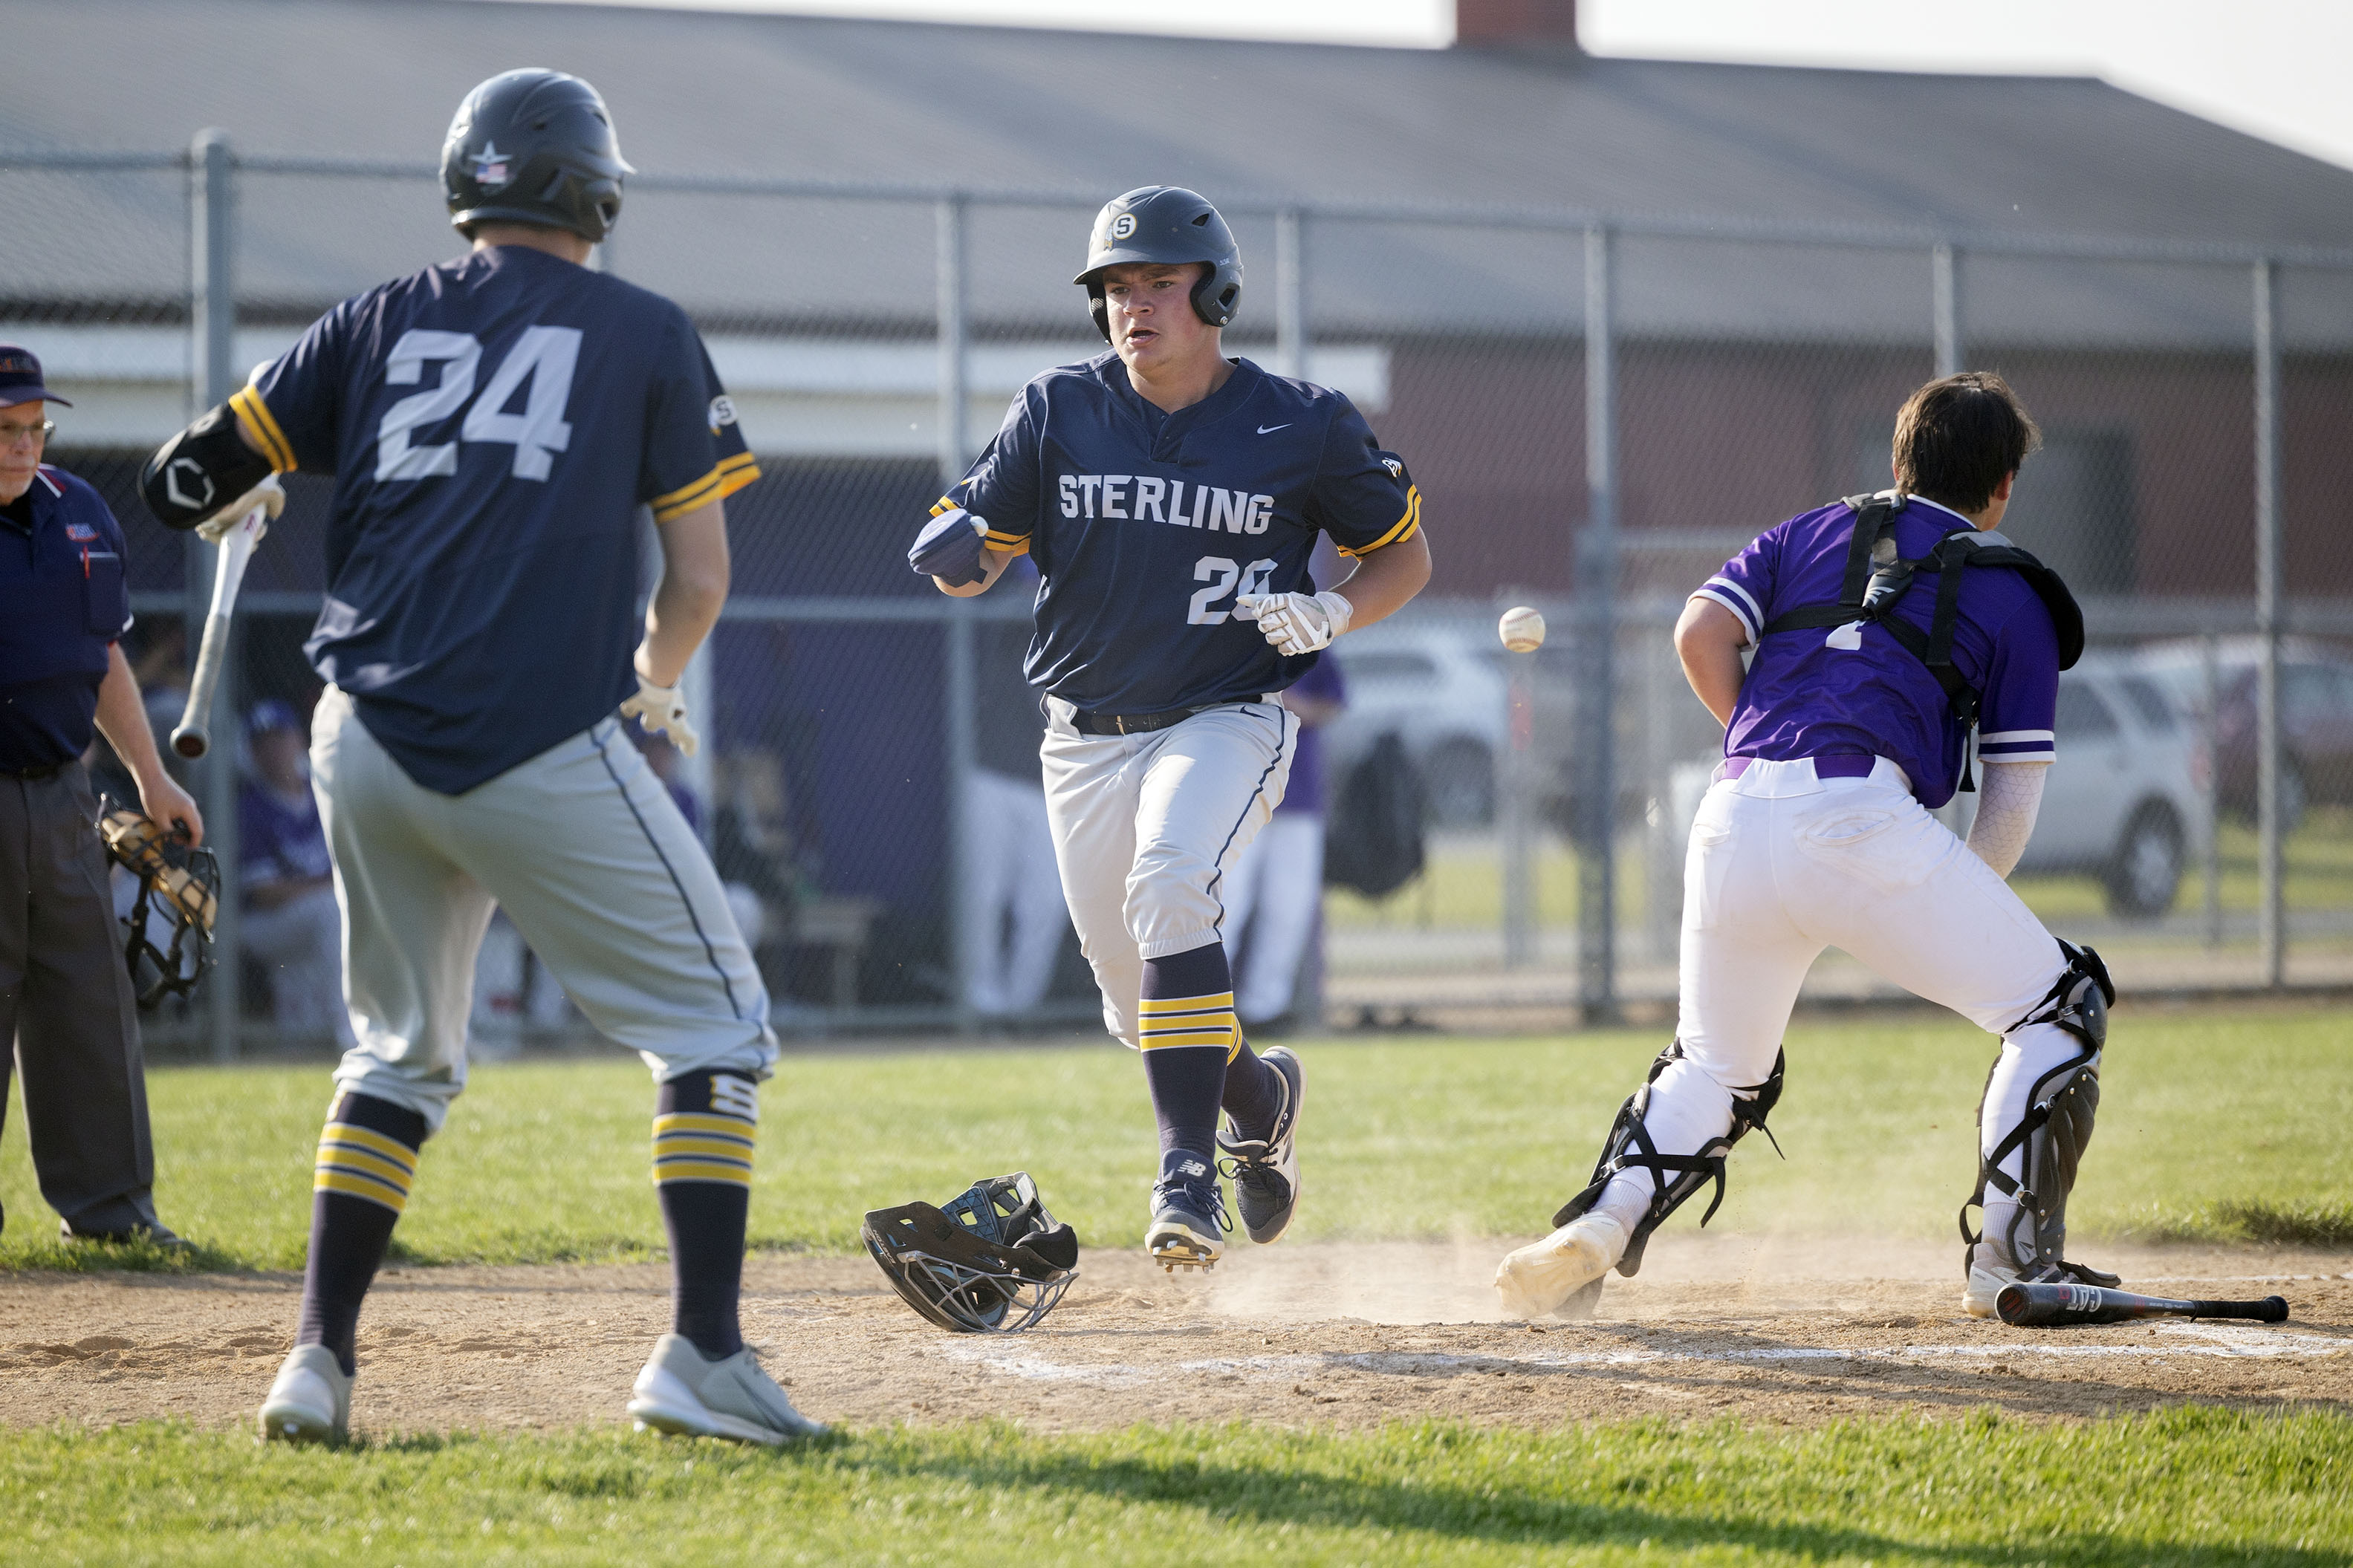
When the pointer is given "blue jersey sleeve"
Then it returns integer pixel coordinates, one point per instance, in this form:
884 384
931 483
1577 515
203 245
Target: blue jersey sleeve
1001 489
2017 719
694 451
1364 497
293 409
1745 586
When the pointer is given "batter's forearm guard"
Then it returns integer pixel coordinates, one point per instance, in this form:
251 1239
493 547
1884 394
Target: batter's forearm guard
1679 1176
200 471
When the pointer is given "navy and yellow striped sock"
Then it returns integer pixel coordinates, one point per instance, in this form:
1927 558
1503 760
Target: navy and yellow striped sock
367 1158
1187 1033
705 1125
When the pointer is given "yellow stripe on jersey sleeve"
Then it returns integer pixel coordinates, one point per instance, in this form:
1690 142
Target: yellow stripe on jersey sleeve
260 428
1406 527
726 477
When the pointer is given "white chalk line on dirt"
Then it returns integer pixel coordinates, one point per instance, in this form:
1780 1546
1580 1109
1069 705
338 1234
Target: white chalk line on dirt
2230 1344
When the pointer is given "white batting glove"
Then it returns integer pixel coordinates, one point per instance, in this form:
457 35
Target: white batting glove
267 494
662 708
1297 623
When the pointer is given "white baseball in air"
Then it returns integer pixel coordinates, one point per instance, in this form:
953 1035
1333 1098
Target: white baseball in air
1522 629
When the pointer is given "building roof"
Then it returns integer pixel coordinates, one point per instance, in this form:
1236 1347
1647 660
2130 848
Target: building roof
1090 114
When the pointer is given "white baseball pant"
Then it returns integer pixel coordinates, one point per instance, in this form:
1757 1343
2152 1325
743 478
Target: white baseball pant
1783 865
588 856
1147 826
1271 902
1009 870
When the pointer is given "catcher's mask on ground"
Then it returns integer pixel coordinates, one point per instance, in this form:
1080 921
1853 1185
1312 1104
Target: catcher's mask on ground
993 1261
179 887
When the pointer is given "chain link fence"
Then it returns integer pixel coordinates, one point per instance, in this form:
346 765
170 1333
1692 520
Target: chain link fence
1598 412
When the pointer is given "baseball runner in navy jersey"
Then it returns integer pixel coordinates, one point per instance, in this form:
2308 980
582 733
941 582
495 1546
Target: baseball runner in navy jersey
495 425
1884 627
1170 497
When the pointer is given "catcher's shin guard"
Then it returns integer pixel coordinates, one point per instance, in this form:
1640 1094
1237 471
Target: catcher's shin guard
2055 1129
1679 1176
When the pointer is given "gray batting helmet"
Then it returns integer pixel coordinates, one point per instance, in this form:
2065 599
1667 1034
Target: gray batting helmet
1168 225
534 146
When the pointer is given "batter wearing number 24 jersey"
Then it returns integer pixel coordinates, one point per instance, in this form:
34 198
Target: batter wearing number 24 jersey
495 425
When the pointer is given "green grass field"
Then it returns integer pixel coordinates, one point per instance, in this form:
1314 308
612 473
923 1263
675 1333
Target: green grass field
2192 1486
2213 1125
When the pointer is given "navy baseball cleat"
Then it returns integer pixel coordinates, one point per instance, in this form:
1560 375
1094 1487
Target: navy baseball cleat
1188 1213
1266 1171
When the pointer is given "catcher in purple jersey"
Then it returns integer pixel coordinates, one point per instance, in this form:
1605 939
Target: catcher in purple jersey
1885 628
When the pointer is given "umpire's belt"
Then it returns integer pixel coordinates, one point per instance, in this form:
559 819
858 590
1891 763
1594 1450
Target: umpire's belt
1144 723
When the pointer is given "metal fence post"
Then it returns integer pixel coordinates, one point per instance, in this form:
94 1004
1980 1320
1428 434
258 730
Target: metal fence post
1517 814
1289 293
212 323
1597 582
2268 757
1945 285
959 640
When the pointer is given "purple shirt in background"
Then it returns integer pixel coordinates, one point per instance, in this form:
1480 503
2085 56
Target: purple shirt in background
1306 792
278 839
1805 698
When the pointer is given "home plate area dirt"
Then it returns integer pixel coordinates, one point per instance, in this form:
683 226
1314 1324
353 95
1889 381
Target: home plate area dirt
1793 1330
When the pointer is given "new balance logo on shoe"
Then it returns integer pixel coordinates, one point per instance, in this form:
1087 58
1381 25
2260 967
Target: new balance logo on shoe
1193 1168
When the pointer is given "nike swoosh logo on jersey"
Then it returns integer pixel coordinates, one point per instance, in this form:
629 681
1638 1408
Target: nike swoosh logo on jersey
1271 429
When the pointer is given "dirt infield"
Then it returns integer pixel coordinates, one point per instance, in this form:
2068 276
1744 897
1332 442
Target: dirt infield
1786 1331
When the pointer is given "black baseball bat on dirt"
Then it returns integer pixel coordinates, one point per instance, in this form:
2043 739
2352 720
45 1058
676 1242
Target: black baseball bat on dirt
2047 1306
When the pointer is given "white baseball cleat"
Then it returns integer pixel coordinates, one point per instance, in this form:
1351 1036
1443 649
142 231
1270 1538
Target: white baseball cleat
684 1396
1991 1269
310 1401
1538 1278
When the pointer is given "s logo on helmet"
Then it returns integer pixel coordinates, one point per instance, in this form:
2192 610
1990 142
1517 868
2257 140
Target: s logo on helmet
1123 226
722 413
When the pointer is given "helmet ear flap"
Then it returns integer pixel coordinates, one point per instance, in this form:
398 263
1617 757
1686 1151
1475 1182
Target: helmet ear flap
1218 296
1099 308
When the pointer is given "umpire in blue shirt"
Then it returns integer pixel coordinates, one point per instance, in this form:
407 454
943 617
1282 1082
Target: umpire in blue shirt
66 997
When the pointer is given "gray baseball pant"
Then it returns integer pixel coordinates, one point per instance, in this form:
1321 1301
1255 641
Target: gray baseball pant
587 853
1146 827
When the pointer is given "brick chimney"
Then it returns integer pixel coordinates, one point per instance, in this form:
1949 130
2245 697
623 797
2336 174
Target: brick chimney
1516 22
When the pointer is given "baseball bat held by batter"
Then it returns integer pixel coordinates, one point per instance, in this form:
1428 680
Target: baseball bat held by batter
192 738
2050 1306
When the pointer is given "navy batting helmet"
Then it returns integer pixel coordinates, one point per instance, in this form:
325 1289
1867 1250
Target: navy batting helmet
534 146
1168 225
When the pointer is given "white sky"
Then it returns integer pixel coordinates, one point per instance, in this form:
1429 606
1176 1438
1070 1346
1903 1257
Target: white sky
2273 67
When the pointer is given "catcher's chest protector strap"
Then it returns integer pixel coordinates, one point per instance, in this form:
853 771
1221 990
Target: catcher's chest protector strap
1876 580
1679 1176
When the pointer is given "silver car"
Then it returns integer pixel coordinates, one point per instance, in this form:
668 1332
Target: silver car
2125 800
